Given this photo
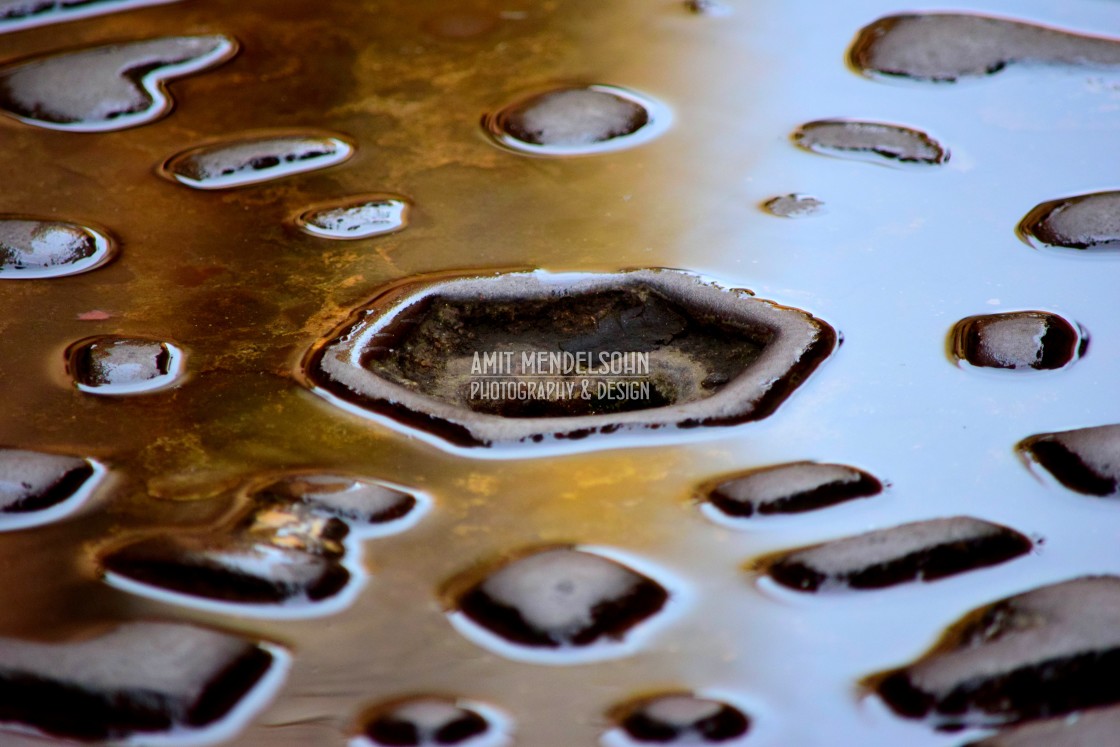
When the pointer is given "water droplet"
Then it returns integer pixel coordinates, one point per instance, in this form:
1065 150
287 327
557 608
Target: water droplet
517 357
123 365
356 217
680 719
260 158
1047 652
578 121
946 46
430 720
138 678
1085 459
1033 340
227 568
37 487
921 551
348 498
561 598
871 141
283 553
793 206
22 14
1090 221
106 88
43 248
790 488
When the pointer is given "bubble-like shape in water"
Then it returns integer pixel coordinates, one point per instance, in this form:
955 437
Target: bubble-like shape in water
432 721
1047 652
568 602
37 487
943 47
288 551
677 719
1017 340
577 121
110 365
356 217
698 355
919 551
113 87
793 206
1083 459
362 502
1086 222
34 248
138 679
878 142
226 568
250 159
22 14
789 488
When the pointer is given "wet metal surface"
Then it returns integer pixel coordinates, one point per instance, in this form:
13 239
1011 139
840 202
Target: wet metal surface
898 258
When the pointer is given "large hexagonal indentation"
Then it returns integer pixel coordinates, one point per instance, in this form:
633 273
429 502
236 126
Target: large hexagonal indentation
509 357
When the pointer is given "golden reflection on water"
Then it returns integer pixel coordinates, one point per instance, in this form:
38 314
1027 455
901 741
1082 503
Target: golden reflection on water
225 276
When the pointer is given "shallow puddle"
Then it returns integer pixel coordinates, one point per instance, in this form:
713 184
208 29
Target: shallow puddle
898 258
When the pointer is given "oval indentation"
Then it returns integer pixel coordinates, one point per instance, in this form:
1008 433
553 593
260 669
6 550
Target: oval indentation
253 159
1088 222
943 47
38 487
877 142
34 248
432 720
578 121
1017 340
356 217
111 365
139 680
677 718
1086 460
1037 654
919 551
559 605
791 488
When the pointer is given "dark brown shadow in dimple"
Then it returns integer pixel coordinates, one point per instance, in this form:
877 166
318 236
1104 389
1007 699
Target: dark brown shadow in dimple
138 678
1089 222
1086 460
1017 340
423 720
640 349
681 718
920 551
632 320
607 597
1047 652
790 488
